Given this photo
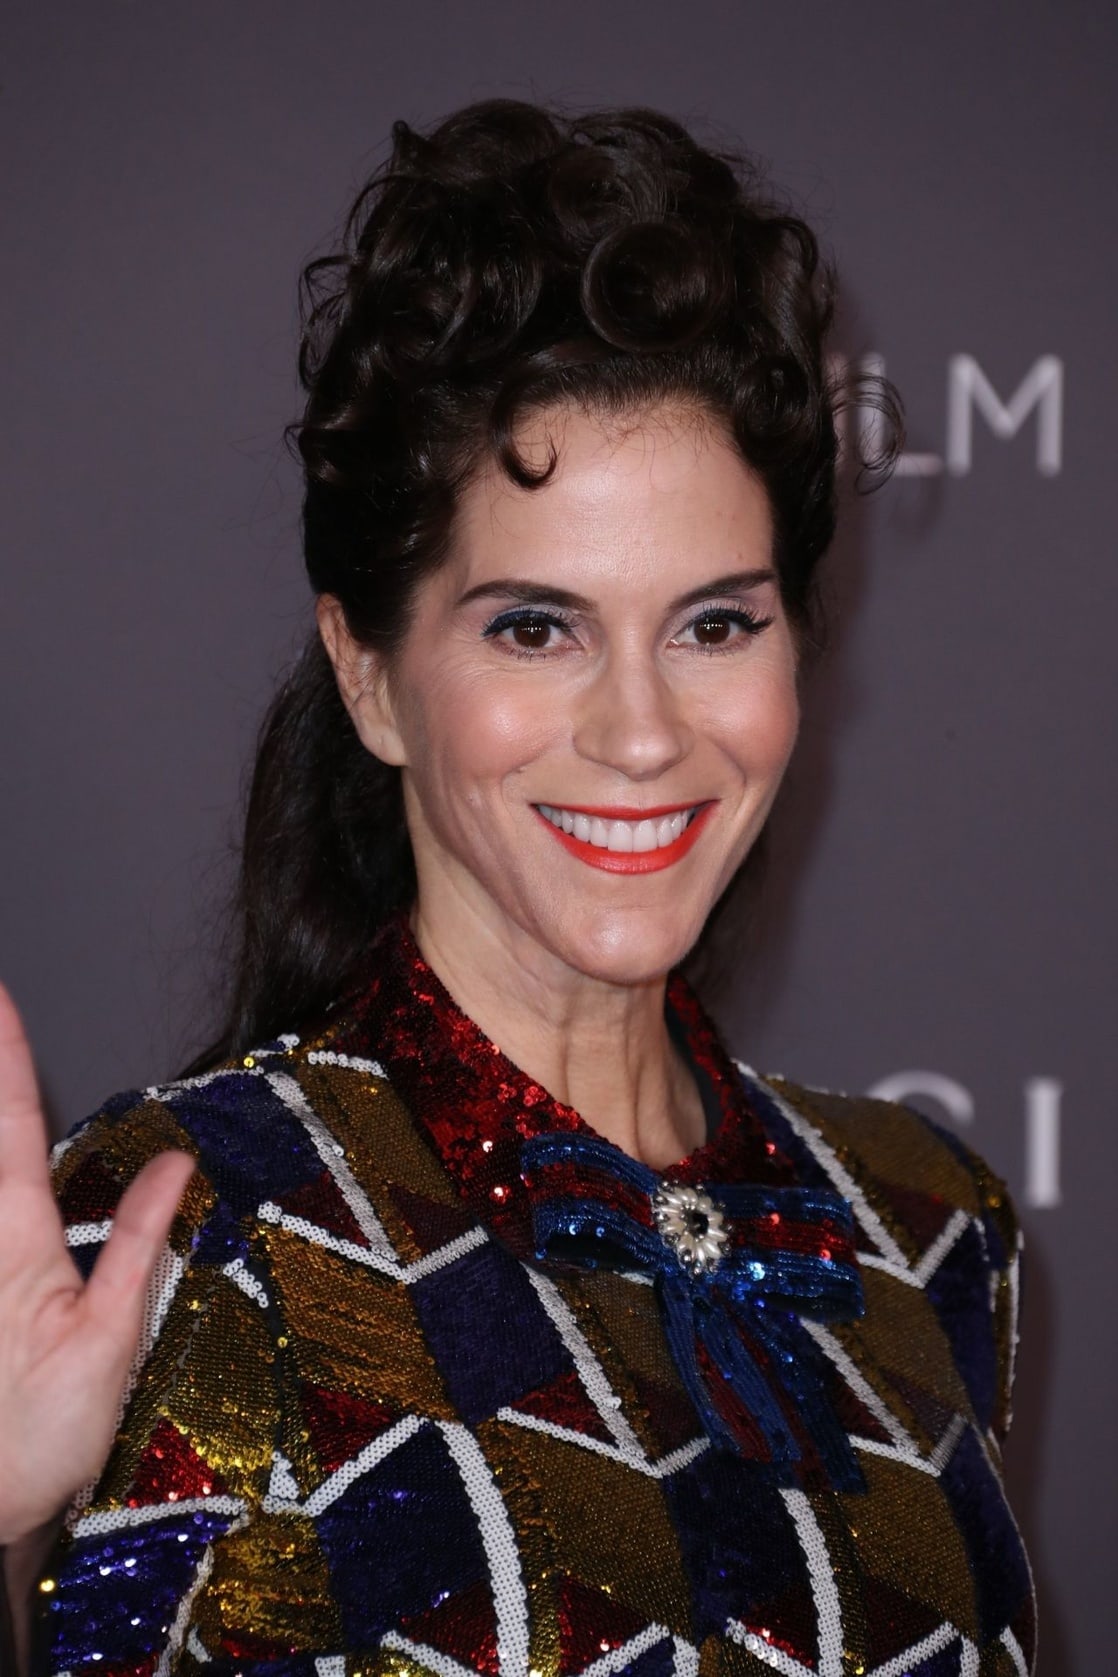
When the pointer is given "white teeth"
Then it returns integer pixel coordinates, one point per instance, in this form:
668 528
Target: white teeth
642 835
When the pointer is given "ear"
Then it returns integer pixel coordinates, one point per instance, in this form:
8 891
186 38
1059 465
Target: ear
362 677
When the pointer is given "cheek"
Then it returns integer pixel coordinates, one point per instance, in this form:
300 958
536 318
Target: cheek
781 725
756 722
466 733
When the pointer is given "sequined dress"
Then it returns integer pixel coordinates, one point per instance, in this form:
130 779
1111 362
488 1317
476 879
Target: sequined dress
433 1383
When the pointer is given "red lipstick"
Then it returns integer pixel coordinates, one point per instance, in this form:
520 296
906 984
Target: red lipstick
629 861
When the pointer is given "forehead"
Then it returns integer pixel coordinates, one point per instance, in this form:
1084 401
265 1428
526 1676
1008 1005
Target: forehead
661 492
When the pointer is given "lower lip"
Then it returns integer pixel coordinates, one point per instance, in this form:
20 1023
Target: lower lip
632 861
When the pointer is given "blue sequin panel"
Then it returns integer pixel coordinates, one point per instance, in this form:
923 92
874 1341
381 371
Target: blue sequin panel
120 1590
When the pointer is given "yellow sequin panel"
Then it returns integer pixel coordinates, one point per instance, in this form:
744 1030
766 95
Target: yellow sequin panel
629 1316
377 1133
890 1143
390 1664
353 1329
900 1335
382 1145
997 1661
271 1579
119 1148
609 1526
148 1130
906 1534
847 1569
165 1368
621 1321
718 1657
224 1399
527 1504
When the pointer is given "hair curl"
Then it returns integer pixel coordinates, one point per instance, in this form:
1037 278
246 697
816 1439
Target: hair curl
511 260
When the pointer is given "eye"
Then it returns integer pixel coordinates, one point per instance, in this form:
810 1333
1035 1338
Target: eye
716 629
526 630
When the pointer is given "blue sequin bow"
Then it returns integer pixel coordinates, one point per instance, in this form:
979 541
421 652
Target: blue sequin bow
736 1269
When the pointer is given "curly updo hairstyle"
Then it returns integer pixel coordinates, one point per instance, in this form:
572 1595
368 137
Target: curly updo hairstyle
512 259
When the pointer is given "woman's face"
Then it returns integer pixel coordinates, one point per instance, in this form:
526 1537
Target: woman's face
595 700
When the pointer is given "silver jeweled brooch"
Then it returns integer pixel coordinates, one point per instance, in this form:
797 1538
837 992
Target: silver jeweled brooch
690 1223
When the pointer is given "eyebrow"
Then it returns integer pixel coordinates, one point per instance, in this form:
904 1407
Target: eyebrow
540 594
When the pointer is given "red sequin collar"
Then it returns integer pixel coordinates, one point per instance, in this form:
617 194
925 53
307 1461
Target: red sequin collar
478 1108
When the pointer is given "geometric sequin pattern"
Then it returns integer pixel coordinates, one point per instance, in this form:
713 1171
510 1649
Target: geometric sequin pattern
368 1432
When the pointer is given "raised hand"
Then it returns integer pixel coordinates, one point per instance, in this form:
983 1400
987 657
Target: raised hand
65 1344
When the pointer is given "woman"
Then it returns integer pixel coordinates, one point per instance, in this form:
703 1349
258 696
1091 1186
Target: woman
505 1324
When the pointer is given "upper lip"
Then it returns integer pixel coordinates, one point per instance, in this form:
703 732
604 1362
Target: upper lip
619 812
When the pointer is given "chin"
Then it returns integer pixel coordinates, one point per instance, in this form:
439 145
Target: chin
637 947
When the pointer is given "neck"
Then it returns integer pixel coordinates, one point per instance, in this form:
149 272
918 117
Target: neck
602 1049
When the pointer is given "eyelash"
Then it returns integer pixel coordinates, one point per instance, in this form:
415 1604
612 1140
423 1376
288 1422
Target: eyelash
745 620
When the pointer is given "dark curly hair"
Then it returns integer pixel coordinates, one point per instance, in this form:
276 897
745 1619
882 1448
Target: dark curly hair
514 258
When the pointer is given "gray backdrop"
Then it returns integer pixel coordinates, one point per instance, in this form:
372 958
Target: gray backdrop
939 911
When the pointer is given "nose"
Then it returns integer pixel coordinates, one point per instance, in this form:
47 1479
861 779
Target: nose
630 719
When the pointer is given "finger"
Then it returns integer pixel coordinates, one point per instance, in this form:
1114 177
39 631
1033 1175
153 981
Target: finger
23 1134
142 1222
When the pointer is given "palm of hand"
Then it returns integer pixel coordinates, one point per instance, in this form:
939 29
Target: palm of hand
65 1344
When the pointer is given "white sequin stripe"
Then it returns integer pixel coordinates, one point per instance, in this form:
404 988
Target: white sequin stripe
161 1091
942 1244
901 1664
182 1618
933 1463
448 1254
123 1519
326 1147
824 1590
836 1352
197 1651
662 1469
330 1665
351 1062
61 1148
839 1175
331 1489
499 1541
89 1234
242 1277
590 1370
269 1212
686 1659
945 1449
618 1658
430 1658
970 1662
1016 1652
776 1657
282 1486
169 1271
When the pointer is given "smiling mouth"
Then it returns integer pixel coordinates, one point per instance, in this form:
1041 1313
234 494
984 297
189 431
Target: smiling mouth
620 841
640 835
